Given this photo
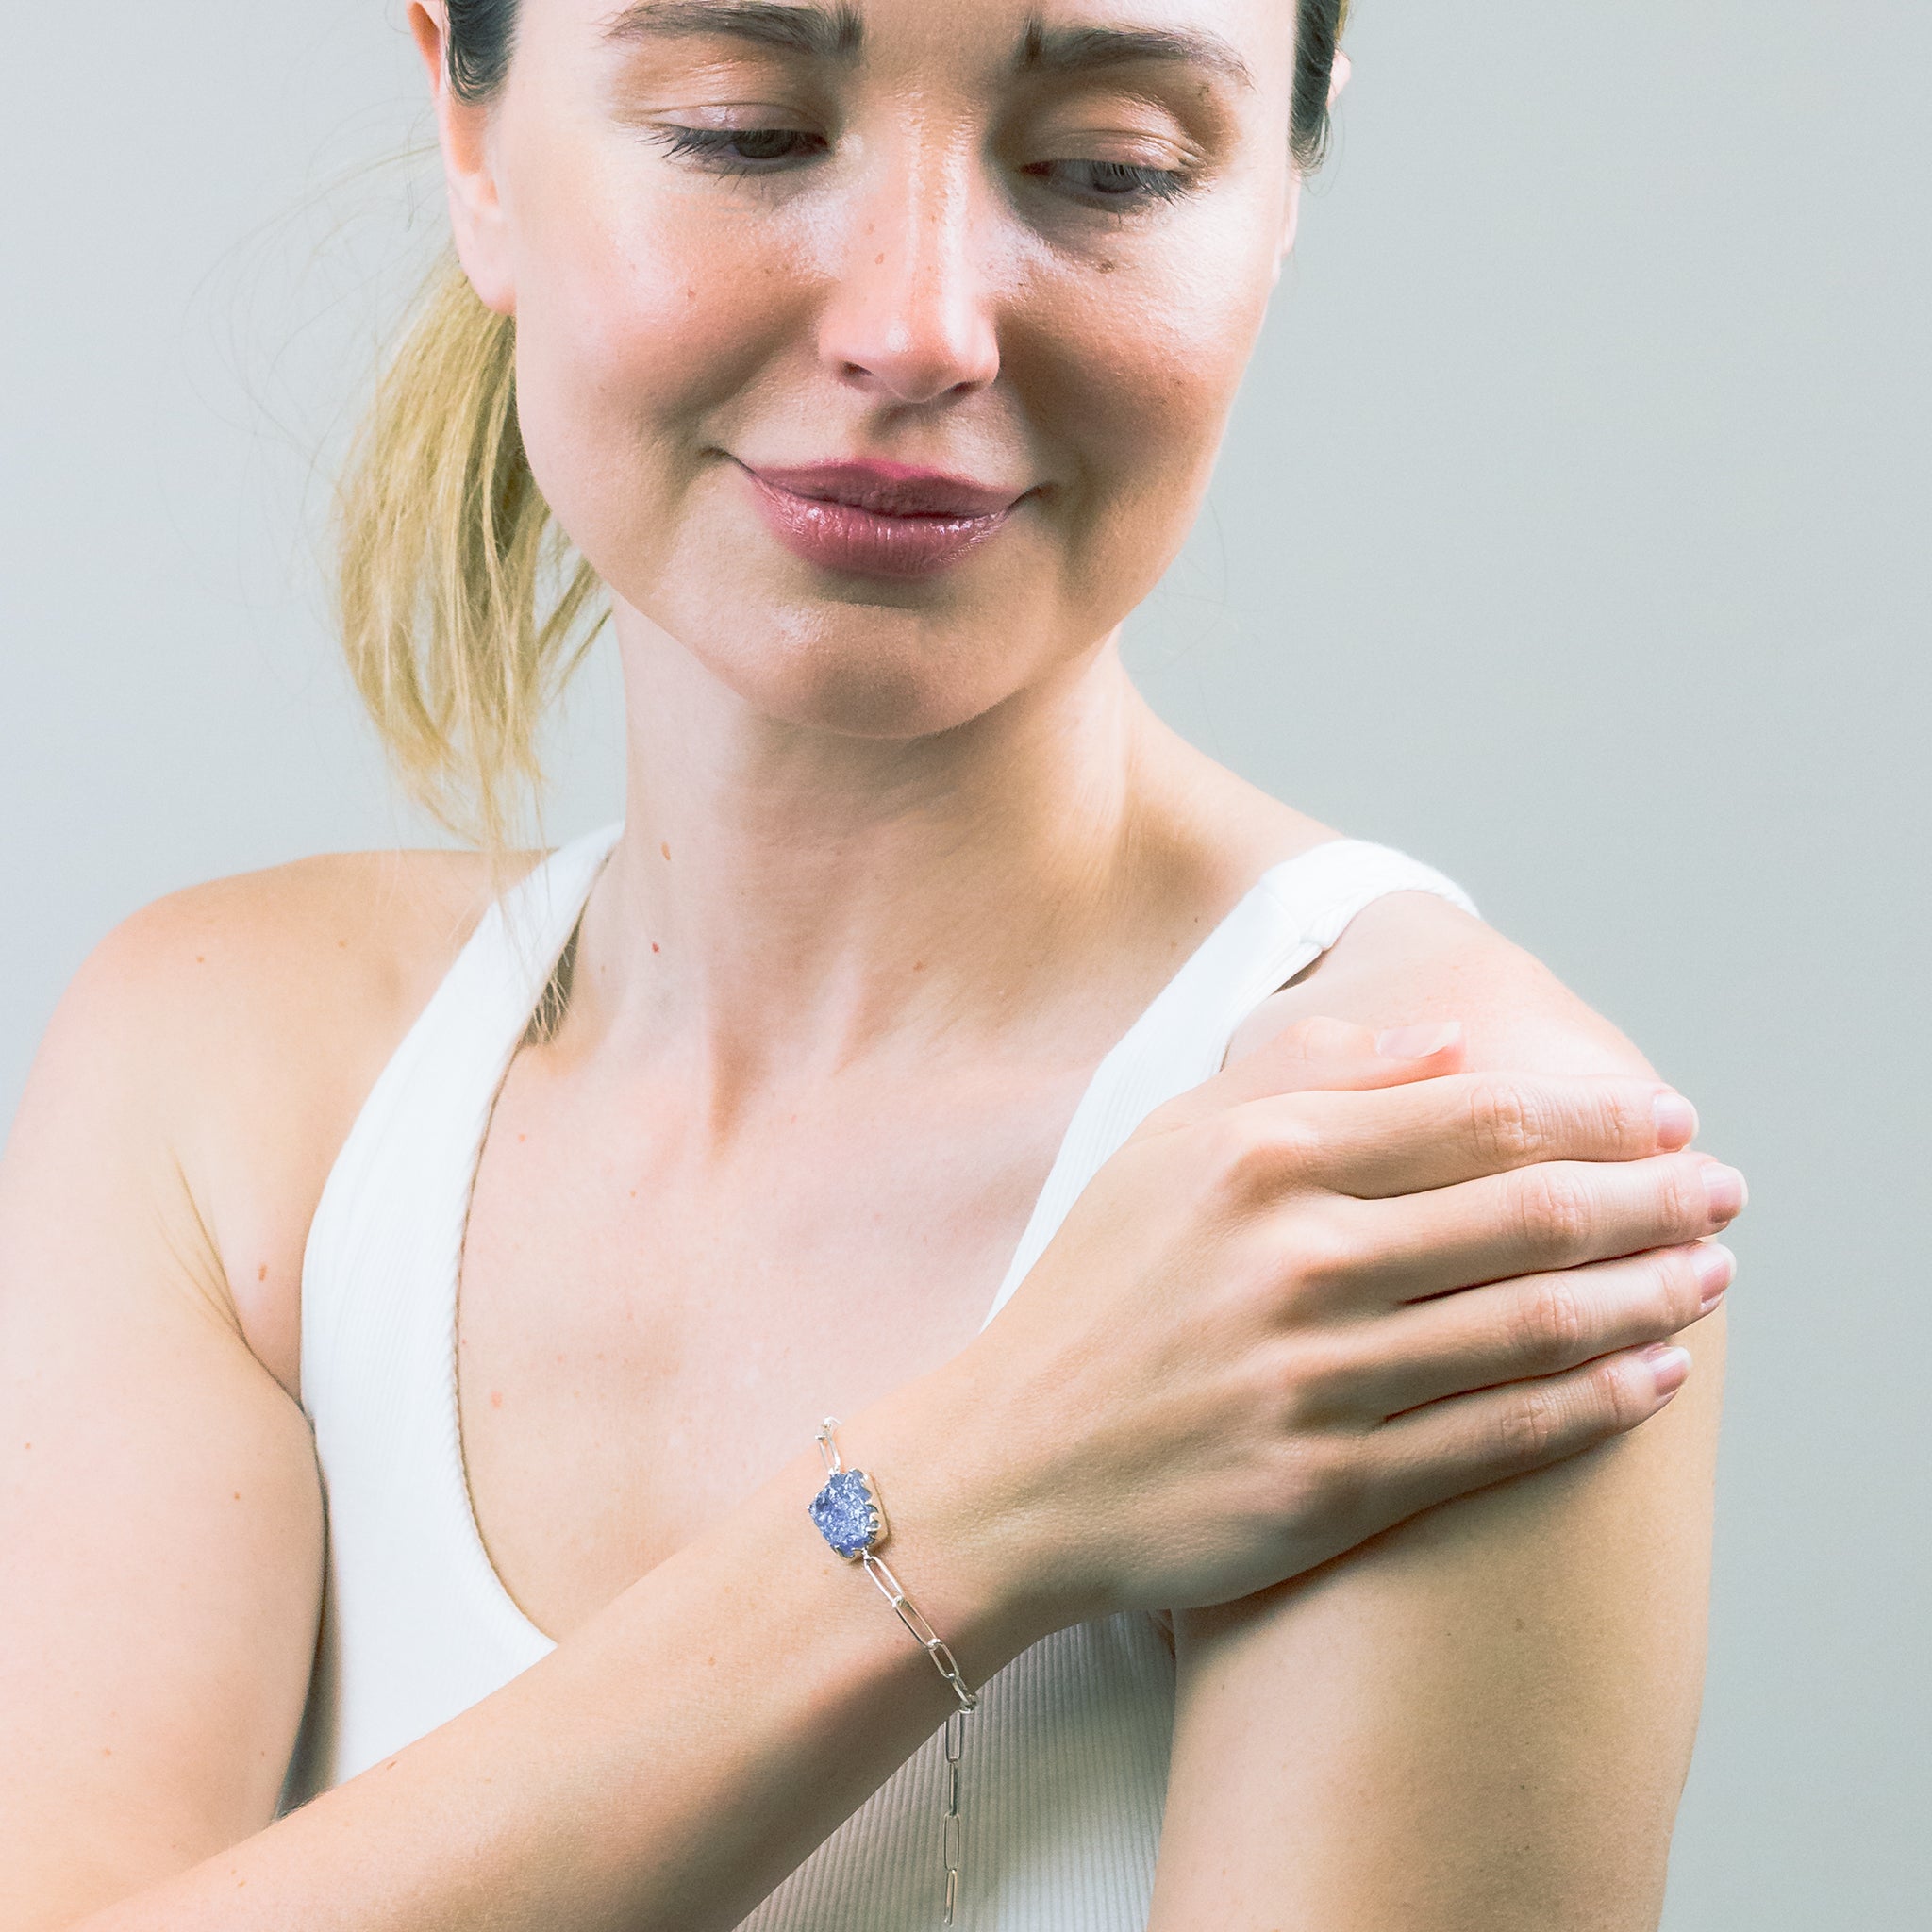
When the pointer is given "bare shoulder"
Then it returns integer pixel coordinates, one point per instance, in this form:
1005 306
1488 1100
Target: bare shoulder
232 1030
1414 957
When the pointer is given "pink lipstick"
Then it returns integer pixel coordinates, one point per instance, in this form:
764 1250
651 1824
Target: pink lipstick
877 519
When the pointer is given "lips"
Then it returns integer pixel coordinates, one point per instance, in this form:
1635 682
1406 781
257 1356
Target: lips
876 519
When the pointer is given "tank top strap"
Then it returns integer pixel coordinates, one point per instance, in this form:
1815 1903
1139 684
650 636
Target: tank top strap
1288 919
403 1173
377 1362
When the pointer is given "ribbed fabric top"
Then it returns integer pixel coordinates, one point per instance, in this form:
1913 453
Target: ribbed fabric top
1065 1767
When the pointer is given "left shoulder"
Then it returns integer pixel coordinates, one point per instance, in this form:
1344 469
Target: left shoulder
1411 958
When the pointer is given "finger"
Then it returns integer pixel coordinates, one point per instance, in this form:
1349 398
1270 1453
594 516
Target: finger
1558 1214
1469 1441
1438 1132
1322 1053
1512 1331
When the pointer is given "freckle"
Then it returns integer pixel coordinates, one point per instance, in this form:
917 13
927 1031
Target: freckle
238 1495
918 965
262 1272
201 958
106 1751
665 850
496 1398
521 1137
342 945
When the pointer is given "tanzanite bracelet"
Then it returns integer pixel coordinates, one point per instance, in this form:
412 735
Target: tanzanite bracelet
851 1519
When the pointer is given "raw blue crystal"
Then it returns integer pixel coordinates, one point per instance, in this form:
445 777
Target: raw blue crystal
845 1513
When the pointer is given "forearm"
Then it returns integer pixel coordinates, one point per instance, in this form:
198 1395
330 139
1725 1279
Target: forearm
669 1762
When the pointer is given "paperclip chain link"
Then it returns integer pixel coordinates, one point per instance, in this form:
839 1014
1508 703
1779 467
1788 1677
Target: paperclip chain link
935 1647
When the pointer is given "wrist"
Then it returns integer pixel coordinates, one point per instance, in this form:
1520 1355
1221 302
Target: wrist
958 1538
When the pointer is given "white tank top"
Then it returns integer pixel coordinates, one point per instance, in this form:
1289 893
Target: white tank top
1066 1760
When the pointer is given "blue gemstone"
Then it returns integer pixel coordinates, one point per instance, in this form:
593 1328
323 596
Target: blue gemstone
844 1512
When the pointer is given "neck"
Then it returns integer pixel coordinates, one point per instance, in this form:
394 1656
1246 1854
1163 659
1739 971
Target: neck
788 900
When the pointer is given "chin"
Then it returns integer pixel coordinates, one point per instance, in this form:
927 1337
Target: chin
866 657
858 668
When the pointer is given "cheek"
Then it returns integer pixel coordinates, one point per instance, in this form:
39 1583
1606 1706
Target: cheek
637 324
1142 365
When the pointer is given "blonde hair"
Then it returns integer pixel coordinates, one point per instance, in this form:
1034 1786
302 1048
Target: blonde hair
463 611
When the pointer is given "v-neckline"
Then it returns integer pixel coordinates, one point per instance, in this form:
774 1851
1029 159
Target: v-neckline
494 930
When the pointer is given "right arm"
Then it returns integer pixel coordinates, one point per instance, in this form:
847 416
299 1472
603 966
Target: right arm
160 1574
1115 1438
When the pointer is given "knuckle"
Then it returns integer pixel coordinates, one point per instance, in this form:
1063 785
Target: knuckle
1558 1214
1530 1427
1327 1251
1321 1038
1683 1205
1618 1119
1252 1156
1505 1127
1330 1485
1677 1296
1614 1403
1550 1326
1228 1152
1312 1380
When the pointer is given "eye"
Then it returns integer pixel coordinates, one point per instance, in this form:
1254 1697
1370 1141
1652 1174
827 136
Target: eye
1114 185
742 150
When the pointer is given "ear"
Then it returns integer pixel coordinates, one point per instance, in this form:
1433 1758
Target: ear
1338 79
1290 221
462 131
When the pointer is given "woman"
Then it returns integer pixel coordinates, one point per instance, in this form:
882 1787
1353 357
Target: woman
1307 1510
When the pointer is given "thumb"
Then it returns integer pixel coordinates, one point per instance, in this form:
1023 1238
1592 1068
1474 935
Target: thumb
1321 1052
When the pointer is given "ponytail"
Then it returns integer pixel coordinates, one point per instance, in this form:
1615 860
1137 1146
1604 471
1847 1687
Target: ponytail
446 550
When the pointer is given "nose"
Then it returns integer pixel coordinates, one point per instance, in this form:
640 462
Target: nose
910 317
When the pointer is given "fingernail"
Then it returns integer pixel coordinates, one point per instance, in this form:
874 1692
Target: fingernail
1677 1122
1725 1188
1417 1042
1668 1367
1717 1268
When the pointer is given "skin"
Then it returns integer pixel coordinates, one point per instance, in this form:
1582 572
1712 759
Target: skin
901 862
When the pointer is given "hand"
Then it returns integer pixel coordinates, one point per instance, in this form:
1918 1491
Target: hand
1323 1292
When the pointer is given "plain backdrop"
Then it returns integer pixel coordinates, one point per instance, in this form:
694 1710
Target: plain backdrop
1574 533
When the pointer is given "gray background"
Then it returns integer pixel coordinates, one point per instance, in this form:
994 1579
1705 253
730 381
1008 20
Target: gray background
1572 535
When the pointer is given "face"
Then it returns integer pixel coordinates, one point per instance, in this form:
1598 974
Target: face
878 354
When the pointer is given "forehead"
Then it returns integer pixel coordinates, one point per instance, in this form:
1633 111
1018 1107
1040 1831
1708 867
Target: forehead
1243 45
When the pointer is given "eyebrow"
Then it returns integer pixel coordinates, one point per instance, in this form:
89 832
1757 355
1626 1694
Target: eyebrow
837 33
1079 49
831 33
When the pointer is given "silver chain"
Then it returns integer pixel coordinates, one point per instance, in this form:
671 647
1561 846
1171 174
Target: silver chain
935 1647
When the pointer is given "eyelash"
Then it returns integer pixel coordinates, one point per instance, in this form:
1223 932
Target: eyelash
715 149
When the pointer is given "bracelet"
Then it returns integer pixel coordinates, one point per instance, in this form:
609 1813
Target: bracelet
850 1517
